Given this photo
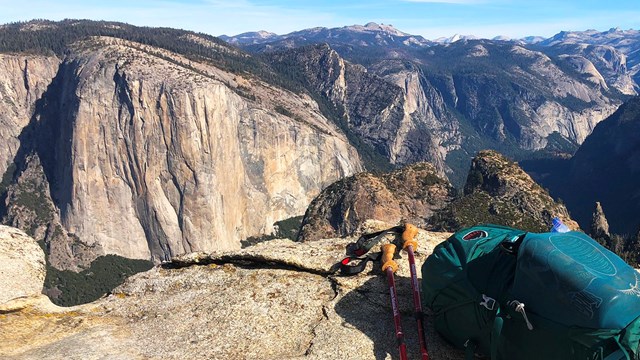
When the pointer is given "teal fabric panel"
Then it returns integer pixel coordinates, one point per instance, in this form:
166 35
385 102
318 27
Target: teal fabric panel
571 278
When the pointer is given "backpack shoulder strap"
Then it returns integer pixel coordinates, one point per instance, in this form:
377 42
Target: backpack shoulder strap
496 331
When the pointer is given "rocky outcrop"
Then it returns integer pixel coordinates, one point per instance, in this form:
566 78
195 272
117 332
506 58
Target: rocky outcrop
411 194
599 224
22 265
498 191
149 155
232 305
28 206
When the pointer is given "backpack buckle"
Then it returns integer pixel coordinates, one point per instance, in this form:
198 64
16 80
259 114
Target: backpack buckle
488 302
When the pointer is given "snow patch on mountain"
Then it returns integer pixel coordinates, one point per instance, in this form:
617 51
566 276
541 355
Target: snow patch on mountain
454 38
374 27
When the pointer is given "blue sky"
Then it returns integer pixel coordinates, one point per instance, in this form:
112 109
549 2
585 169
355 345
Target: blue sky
429 18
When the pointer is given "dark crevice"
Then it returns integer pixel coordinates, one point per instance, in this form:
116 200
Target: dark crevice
324 318
25 76
11 310
334 287
170 168
246 261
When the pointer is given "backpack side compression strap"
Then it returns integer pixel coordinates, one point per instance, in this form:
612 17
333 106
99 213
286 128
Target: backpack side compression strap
358 249
359 266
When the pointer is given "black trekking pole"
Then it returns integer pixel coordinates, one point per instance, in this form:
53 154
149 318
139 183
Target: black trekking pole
409 244
390 266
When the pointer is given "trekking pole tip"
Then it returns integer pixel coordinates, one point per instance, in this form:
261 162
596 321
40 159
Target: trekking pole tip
408 236
387 258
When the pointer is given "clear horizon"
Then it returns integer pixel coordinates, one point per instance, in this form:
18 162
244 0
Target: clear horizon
429 18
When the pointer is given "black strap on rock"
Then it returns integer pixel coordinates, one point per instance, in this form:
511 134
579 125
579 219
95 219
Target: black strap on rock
357 250
360 263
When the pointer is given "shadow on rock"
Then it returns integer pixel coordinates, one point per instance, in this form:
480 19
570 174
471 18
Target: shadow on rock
367 308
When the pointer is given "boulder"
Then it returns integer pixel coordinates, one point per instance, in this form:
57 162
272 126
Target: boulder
22 265
599 224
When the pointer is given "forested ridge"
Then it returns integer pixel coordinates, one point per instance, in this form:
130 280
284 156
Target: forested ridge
47 37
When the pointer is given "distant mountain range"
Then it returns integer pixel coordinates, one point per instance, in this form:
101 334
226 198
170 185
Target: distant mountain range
373 34
613 36
620 39
370 34
321 33
614 53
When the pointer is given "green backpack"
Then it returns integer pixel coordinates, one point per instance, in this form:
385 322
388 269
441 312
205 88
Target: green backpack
513 295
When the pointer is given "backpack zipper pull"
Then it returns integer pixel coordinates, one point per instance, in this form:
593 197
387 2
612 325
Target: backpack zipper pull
519 307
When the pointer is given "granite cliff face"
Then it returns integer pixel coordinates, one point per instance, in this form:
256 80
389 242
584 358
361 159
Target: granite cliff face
614 53
429 130
517 94
376 115
603 65
148 154
22 265
23 80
